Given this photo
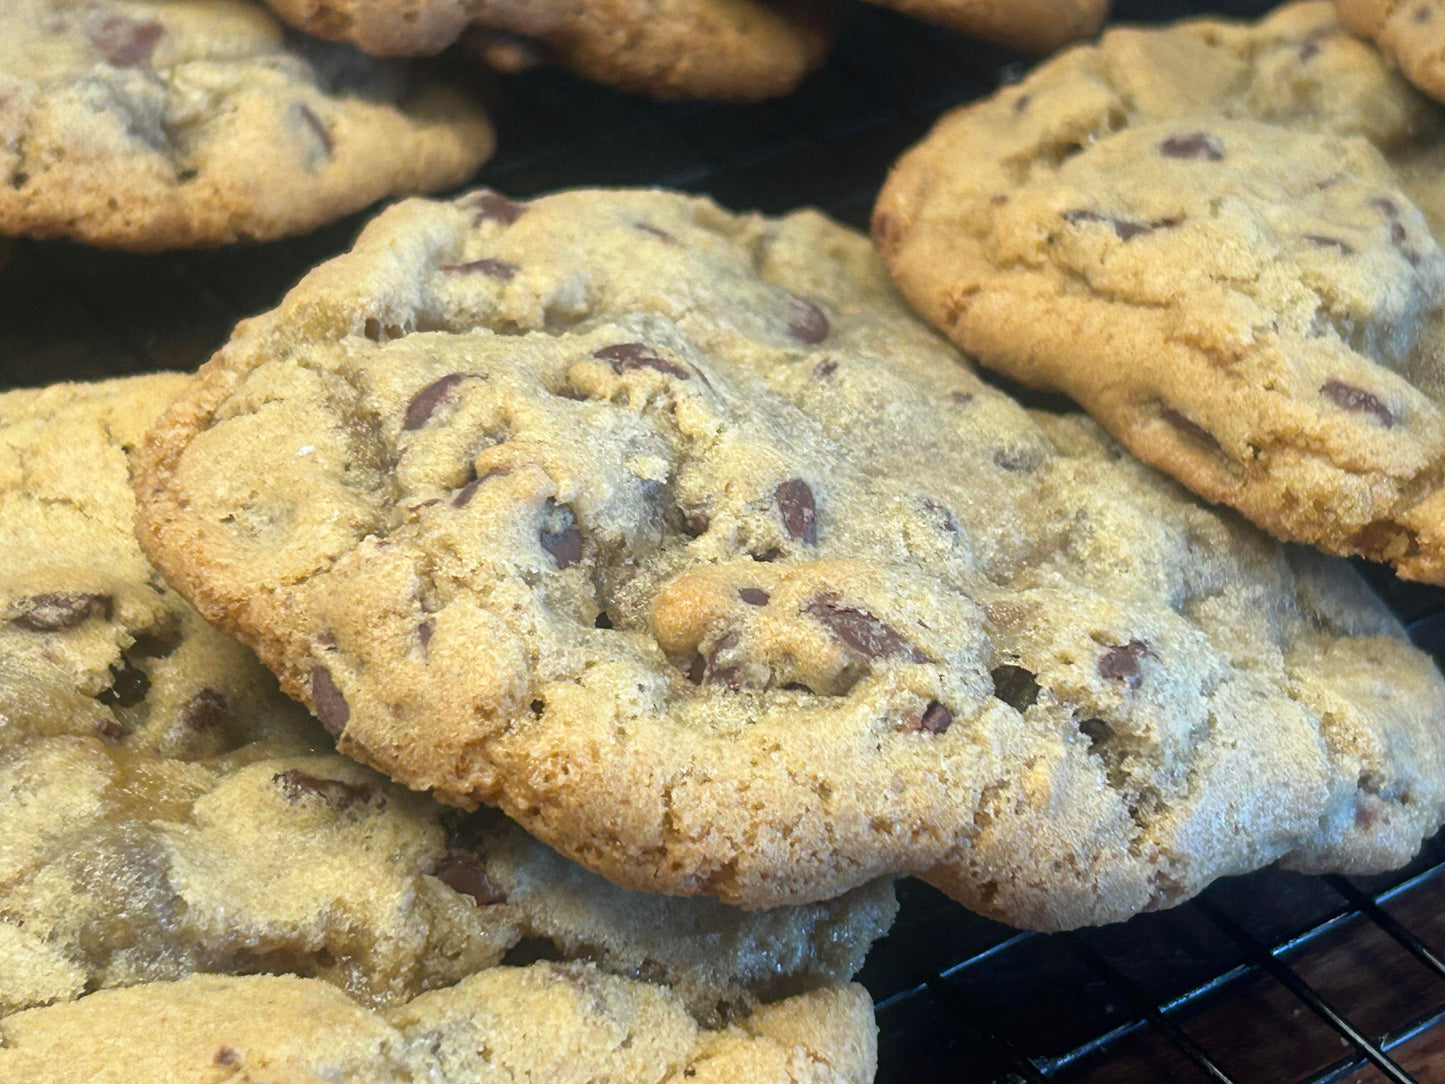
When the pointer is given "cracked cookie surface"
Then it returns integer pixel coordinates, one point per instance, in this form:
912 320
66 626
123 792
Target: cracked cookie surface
1221 239
674 534
741 50
155 839
1034 26
1411 33
174 123
556 1022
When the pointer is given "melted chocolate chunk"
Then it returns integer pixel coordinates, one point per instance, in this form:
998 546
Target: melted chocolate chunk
318 126
625 356
225 1056
1200 145
960 397
1096 730
489 206
1357 401
425 402
462 872
861 631
662 235
128 687
1319 240
564 545
204 712
704 669
331 707
800 514
424 632
493 268
336 793
468 491
934 719
808 324
753 596
1124 228
1121 663
1015 686
54 613
697 523
125 42
1190 429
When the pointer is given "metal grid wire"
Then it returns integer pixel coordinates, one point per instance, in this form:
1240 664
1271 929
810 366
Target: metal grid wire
1274 977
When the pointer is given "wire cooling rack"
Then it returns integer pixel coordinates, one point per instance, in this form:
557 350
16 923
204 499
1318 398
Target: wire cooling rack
1273 978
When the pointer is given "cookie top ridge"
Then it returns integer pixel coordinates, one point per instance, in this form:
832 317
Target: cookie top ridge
1222 240
673 533
1034 26
177 123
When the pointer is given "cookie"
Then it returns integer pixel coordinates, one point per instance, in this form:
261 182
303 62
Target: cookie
1410 34
551 1022
1038 26
673 533
92 642
1220 238
198 826
739 50
174 123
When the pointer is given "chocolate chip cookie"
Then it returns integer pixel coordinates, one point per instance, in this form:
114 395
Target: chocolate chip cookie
673 533
562 1023
741 50
167 811
1221 239
173 123
1411 34
1034 26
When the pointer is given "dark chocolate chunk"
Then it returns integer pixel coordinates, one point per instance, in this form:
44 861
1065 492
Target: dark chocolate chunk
1357 401
1319 240
861 631
337 793
489 266
203 712
808 323
1121 662
56 612
1193 145
330 706
125 42
826 367
461 872
1190 429
960 397
565 544
800 513
467 492
1096 730
753 596
662 235
1124 228
128 687
625 356
934 719
1015 686
424 632
424 403
225 1056
489 206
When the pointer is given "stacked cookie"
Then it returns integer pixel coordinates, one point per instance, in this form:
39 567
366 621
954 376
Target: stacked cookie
674 536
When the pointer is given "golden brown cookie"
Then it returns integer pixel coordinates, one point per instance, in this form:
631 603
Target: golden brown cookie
1411 34
1034 26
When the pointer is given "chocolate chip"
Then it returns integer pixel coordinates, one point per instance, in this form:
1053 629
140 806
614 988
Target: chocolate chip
1022 102
1190 429
603 620
662 235
1015 460
1398 235
1015 686
128 687
493 268
489 206
331 707
461 872
697 523
1357 401
336 793
157 644
1193 145
317 125
960 397
704 671
934 719
753 596
424 631
468 491
800 514
808 324
827 367
203 712
1319 240
125 42
565 545
55 612
424 403
861 631
1422 14
1096 730
1125 229
772 553
941 515
225 1056
1121 663
625 356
